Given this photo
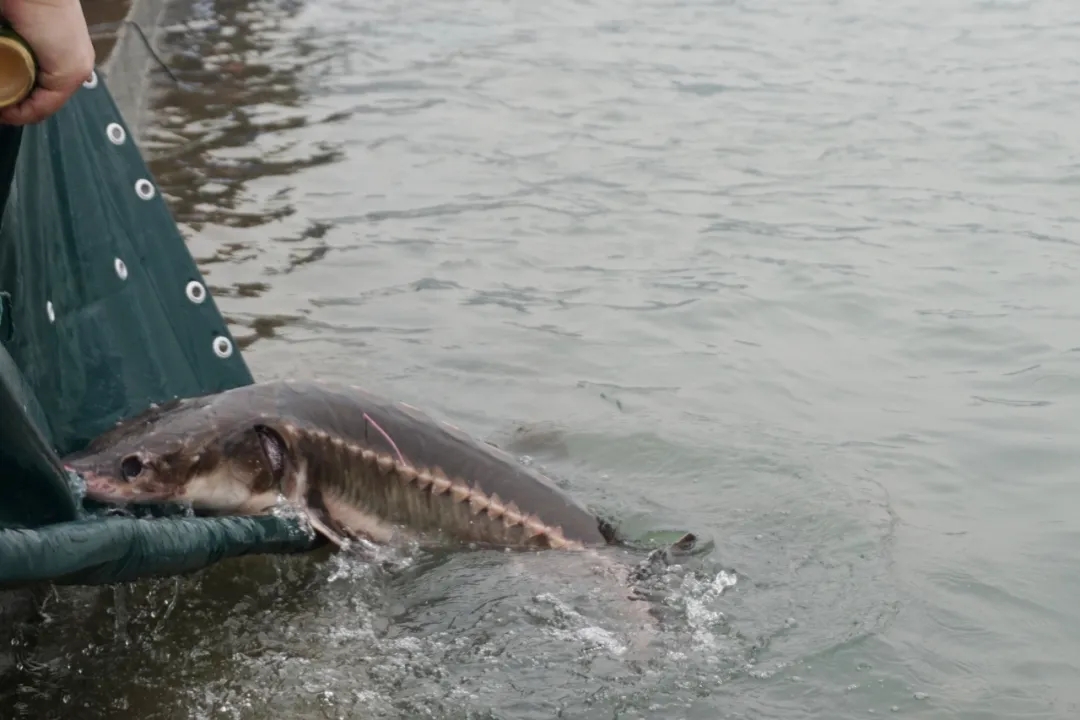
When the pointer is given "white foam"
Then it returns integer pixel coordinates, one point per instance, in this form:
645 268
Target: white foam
575 627
697 598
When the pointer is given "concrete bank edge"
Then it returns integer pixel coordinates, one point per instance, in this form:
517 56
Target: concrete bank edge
127 68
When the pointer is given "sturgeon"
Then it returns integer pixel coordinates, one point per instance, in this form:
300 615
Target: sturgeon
356 465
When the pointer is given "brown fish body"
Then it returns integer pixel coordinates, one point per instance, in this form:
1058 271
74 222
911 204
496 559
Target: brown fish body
358 465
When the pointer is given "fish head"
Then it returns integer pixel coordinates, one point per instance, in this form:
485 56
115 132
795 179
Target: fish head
189 457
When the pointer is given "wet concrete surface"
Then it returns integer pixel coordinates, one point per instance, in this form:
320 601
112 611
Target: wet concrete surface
103 17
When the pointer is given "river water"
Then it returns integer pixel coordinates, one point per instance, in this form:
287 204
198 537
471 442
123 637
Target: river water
798 277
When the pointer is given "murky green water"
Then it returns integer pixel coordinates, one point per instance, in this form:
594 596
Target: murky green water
799 277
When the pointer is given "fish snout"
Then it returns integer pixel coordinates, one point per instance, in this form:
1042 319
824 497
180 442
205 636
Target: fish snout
108 488
104 488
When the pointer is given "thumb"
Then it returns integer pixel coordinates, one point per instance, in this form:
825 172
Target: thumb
39 105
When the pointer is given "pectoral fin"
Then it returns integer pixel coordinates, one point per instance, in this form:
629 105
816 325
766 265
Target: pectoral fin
324 529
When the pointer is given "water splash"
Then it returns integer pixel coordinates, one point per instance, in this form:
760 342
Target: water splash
698 599
287 510
566 623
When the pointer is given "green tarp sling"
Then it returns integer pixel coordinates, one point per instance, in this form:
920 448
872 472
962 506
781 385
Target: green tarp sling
102 312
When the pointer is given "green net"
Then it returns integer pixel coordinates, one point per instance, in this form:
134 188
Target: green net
102 312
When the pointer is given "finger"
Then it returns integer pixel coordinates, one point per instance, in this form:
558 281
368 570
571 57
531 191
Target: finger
39 105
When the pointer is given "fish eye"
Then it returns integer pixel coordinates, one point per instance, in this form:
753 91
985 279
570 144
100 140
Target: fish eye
131 467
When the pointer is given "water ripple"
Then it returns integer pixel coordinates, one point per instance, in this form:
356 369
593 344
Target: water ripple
799 277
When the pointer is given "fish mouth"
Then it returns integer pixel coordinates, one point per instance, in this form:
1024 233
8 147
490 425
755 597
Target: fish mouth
106 489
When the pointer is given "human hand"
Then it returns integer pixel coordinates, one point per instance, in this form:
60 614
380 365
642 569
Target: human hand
57 34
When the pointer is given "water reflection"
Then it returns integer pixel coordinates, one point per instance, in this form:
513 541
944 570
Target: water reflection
103 18
227 123
226 144
145 649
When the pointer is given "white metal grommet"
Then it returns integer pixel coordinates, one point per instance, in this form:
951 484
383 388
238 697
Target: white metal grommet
116 133
144 188
121 269
222 347
92 82
196 293
49 311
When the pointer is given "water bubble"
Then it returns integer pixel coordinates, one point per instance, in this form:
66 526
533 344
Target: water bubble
724 580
